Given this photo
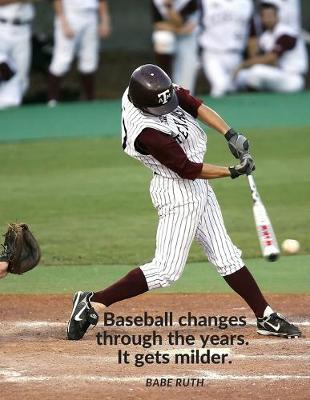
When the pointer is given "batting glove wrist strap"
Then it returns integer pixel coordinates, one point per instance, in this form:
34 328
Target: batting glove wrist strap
230 133
233 172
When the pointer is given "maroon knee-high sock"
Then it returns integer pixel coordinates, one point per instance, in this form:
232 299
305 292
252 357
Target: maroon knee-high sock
245 285
133 284
164 61
88 83
53 89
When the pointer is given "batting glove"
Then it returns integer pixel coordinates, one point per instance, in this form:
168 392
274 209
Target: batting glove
238 144
246 166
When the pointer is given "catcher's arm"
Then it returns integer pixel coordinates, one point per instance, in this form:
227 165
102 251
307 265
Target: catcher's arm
3 269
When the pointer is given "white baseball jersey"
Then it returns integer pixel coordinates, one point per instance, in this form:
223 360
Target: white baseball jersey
226 24
294 60
22 11
178 5
80 5
178 124
187 209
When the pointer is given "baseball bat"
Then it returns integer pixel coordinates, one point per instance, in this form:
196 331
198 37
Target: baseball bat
267 238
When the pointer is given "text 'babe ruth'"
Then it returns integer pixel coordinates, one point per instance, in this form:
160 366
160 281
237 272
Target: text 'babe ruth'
160 129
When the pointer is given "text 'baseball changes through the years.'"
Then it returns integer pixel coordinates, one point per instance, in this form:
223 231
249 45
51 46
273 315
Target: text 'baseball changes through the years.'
173 345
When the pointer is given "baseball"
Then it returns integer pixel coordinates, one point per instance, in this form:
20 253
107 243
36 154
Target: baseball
290 246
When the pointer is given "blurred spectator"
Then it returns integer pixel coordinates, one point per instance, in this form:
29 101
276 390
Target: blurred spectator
15 50
225 30
283 61
175 39
77 28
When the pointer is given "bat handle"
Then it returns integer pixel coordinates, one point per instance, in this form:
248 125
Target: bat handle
251 180
252 185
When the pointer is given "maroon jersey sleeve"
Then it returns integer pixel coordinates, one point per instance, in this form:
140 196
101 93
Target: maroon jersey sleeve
252 28
284 43
188 102
168 152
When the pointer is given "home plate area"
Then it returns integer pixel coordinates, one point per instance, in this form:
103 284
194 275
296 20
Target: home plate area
37 362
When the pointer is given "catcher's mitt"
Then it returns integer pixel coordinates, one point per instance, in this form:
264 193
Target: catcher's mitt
20 249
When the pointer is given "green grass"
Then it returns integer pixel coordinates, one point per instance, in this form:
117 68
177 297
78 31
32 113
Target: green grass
289 274
89 203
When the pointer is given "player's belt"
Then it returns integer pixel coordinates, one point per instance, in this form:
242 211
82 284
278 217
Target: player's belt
15 21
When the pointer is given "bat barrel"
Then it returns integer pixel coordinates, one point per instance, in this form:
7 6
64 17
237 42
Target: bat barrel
266 235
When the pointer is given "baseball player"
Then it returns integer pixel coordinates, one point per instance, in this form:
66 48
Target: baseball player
282 62
76 34
225 30
160 129
15 49
175 39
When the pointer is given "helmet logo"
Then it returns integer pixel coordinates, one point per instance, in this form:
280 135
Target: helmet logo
164 97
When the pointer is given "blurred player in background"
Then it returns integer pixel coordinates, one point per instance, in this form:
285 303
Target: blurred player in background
77 31
282 62
15 50
175 39
225 31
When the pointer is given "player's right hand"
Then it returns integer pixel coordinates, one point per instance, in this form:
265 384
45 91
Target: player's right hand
238 144
246 166
67 30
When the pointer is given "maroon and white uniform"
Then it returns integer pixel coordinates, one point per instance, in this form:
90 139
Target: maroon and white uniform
225 29
288 74
173 146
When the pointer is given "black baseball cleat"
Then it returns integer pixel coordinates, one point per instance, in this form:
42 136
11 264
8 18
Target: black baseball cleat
83 315
276 325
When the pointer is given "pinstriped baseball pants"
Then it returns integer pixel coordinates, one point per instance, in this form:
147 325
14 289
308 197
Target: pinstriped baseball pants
187 210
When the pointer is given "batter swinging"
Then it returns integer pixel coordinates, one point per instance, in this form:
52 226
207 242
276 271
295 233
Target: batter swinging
160 129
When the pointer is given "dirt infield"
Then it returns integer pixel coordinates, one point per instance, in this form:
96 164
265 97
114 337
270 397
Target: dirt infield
36 362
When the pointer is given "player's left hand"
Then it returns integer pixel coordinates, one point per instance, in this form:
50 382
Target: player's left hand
246 166
237 143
